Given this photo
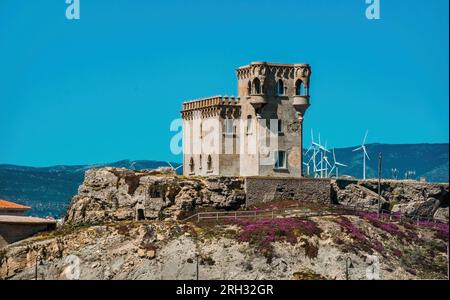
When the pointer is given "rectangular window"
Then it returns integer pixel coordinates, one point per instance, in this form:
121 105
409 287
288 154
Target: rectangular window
229 128
249 125
280 126
280 159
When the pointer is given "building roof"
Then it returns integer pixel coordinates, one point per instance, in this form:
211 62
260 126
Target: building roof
11 205
25 220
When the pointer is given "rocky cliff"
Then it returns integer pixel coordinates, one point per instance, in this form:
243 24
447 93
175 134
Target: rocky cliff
126 224
114 194
117 194
286 248
413 198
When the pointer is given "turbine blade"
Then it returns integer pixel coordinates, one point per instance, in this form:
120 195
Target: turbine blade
365 153
365 137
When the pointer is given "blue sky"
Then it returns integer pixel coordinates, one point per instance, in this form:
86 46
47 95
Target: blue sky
107 86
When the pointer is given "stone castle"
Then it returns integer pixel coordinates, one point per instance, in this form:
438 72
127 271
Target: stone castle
258 133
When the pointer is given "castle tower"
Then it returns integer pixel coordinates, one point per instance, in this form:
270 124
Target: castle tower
279 93
262 126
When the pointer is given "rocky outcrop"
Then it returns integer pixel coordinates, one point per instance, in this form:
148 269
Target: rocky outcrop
170 249
418 199
112 194
357 195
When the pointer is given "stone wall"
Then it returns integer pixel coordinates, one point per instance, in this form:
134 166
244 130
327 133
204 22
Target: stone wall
10 233
266 189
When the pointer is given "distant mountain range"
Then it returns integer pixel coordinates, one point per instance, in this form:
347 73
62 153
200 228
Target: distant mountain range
426 160
48 190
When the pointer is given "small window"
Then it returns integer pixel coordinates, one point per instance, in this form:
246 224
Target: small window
249 126
280 159
140 214
299 88
280 126
201 130
229 128
209 163
256 86
191 165
200 162
279 88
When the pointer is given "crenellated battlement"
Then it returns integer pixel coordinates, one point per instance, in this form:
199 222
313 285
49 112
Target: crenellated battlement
256 69
210 102
209 106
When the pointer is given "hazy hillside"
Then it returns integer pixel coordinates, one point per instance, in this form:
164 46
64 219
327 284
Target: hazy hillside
427 160
49 190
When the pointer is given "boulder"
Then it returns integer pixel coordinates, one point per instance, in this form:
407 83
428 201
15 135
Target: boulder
441 214
354 194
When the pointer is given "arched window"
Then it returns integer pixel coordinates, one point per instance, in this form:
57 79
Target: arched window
256 86
209 163
249 88
279 88
191 165
249 127
299 88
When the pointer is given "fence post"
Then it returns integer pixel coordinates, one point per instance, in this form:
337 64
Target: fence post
198 217
217 216
255 215
235 215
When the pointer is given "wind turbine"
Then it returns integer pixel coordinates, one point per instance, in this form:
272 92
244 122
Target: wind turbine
336 165
394 172
313 147
322 150
325 158
307 168
363 148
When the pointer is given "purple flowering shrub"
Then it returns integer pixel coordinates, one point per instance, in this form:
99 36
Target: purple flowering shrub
263 232
390 228
441 229
352 229
397 253
363 242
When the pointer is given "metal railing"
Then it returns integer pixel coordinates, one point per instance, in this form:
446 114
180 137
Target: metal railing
327 210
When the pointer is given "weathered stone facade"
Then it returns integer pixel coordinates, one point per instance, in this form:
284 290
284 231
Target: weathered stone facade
258 133
266 189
